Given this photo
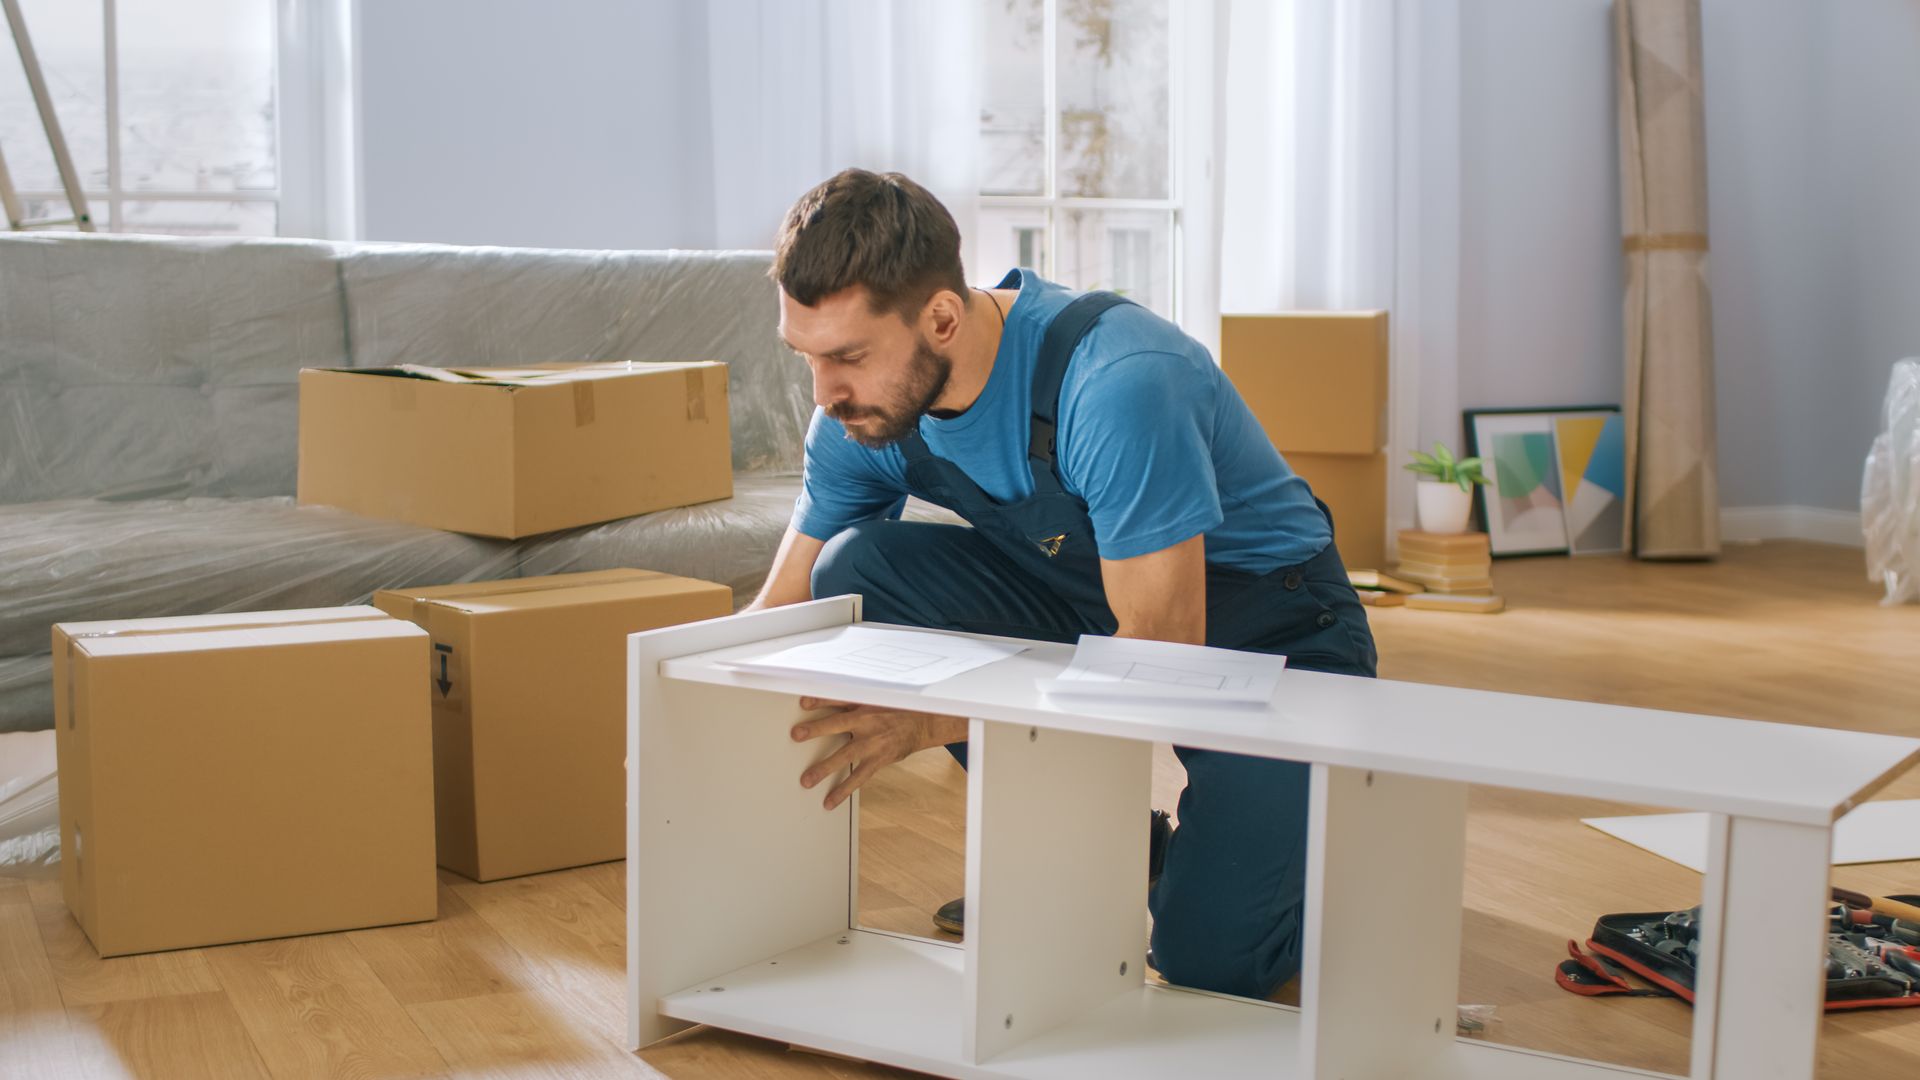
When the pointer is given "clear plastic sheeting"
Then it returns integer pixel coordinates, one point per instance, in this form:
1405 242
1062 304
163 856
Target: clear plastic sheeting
1890 491
29 801
462 307
138 367
75 560
86 560
731 542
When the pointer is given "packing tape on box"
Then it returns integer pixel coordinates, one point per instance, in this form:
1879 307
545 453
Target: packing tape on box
696 393
213 628
1663 242
582 403
484 590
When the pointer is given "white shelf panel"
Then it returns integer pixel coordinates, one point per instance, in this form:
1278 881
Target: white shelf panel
1779 772
899 1001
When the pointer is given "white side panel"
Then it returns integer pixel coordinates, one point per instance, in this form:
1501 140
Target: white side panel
1758 1003
1384 874
729 859
1056 879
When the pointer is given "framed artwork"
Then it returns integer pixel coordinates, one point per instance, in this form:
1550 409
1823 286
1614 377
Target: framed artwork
1591 452
1536 503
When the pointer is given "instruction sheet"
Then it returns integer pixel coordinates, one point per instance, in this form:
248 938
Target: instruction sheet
891 657
1129 669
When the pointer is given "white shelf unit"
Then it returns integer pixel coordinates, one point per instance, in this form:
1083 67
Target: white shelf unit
738 880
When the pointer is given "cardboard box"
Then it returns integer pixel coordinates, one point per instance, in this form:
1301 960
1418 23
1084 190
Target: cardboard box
511 452
1317 381
1354 487
236 777
529 688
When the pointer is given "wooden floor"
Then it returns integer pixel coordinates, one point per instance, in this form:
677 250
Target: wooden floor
524 978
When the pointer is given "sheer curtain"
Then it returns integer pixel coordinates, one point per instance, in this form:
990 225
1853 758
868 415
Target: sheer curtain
1338 184
800 89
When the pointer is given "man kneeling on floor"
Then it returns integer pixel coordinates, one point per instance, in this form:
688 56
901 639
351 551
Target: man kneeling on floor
1114 482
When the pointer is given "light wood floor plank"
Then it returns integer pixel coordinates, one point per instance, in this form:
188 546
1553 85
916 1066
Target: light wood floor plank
86 979
521 1037
571 937
34 1038
185 1037
315 1009
456 956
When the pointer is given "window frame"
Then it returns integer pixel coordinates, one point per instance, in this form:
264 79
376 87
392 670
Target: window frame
1053 203
107 205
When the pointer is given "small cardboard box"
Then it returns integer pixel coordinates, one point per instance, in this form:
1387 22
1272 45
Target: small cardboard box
1317 381
512 452
529 688
236 777
1354 487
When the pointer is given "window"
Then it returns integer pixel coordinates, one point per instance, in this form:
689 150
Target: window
170 110
1032 244
1077 145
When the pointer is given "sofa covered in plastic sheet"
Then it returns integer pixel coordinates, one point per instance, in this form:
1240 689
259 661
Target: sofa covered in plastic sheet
148 393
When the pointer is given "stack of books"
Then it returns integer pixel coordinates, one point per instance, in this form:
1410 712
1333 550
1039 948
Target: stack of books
1376 589
1456 568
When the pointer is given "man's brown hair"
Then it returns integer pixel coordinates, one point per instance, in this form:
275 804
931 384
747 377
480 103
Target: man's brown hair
880 230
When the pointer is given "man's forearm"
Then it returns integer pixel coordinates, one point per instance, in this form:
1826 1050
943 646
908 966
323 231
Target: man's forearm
790 579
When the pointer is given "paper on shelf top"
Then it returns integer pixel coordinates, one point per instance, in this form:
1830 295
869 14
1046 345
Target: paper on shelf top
891 657
1131 669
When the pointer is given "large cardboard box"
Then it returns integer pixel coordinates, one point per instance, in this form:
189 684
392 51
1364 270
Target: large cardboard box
1317 381
1354 487
529 688
511 452
236 777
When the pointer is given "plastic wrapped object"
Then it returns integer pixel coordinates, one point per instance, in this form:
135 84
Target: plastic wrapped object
80 559
1473 1019
142 367
29 801
1890 491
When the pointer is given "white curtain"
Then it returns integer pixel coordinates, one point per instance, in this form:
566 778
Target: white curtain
800 89
1308 181
1338 184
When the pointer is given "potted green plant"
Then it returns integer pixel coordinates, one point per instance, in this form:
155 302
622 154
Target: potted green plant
1446 488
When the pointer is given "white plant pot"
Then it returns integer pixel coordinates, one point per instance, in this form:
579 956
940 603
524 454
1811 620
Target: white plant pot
1444 508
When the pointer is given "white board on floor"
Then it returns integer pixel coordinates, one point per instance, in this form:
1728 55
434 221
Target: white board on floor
1873 832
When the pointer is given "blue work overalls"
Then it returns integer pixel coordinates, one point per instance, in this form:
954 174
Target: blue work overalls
1227 907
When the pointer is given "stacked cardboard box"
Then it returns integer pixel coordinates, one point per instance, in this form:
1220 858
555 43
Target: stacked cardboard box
235 777
1317 382
528 680
1456 568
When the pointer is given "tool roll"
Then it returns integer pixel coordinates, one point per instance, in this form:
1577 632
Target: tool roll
1872 961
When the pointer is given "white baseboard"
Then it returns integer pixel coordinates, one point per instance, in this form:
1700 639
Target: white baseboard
1813 523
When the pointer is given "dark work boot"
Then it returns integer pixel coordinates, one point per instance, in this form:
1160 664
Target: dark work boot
952 916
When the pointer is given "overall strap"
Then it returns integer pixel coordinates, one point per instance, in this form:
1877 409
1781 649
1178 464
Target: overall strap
1050 371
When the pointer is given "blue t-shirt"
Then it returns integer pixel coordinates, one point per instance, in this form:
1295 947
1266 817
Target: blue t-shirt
1150 435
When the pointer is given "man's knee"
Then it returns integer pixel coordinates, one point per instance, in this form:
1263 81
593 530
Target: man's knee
856 559
1198 952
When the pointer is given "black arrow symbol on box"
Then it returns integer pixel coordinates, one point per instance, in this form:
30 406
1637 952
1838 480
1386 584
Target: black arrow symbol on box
445 684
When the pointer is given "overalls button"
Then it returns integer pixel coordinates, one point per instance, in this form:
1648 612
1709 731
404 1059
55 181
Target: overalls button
1325 620
1292 580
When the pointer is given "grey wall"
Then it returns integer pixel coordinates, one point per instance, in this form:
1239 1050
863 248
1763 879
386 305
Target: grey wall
1772 287
1866 171
1540 269
538 125
1813 174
